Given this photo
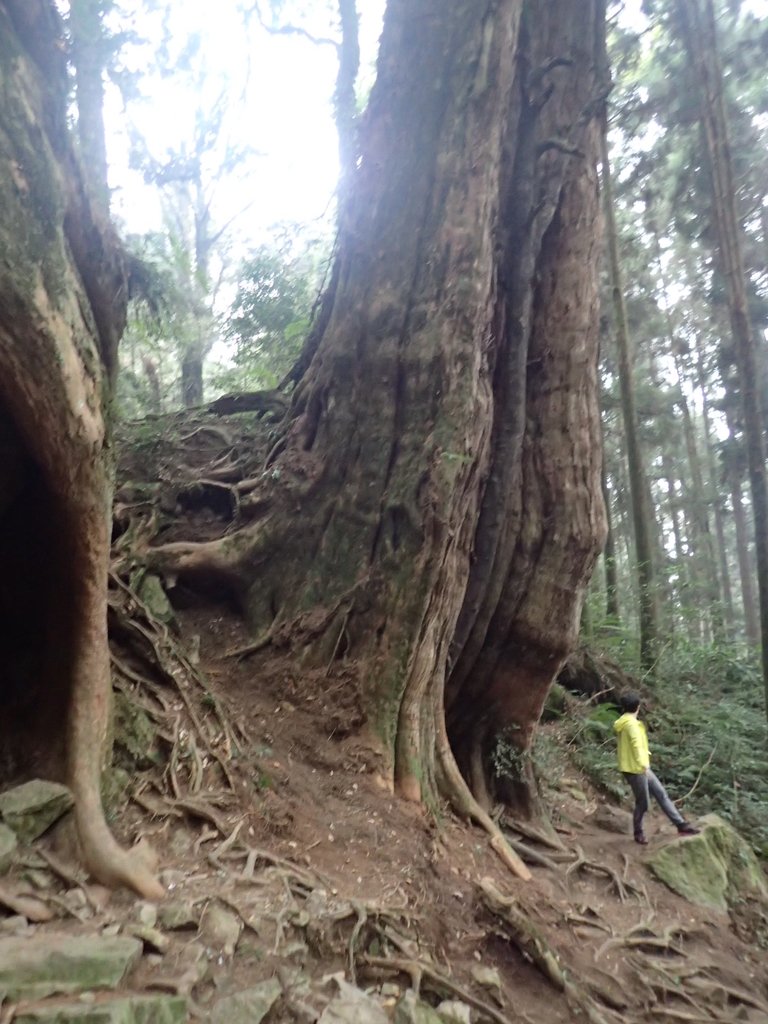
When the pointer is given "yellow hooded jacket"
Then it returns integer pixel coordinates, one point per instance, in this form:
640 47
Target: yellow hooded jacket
634 756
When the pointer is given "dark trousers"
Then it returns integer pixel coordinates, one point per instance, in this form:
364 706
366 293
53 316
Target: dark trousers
644 786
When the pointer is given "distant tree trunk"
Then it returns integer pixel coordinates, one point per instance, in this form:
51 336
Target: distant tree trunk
88 56
344 99
612 611
745 561
437 499
638 485
62 309
698 20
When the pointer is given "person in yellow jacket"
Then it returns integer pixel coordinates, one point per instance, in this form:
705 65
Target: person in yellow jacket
635 766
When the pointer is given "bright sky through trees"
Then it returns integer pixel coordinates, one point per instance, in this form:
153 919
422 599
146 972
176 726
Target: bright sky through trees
278 92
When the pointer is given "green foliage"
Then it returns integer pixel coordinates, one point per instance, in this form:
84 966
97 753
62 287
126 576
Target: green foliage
707 732
268 320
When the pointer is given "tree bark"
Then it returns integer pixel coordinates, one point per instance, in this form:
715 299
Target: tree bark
62 306
438 485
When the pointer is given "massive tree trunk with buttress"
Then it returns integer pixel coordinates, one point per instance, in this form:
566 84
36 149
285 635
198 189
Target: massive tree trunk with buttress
432 511
62 304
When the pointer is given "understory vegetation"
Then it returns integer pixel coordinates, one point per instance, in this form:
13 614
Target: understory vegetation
707 734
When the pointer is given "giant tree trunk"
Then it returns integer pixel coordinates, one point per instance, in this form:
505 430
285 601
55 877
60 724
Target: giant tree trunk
434 511
62 302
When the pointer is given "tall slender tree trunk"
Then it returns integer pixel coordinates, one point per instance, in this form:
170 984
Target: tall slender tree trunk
439 495
638 485
698 19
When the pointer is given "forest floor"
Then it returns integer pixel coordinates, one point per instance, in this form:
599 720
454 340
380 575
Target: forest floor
284 858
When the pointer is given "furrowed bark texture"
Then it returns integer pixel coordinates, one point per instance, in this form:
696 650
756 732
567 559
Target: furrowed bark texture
61 313
436 502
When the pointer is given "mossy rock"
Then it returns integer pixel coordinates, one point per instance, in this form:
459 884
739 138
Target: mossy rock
716 869
8 844
135 736
31 809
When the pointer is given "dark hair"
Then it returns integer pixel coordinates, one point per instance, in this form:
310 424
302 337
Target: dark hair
630 702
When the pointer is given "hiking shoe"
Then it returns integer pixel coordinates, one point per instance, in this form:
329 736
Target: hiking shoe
688 830
640 838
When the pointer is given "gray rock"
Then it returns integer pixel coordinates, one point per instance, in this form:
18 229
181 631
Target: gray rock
411 1010
144 1009
33 807
248 1007
353 1006
453 1012
47 964
220 928
177 914
613 819
8 844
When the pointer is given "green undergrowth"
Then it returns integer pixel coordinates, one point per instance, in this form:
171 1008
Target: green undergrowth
707 732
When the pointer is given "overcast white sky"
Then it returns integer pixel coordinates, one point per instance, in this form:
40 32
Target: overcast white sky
279 91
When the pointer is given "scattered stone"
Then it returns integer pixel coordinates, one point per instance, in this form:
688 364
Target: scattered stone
135 735
411 1010
353 1006
716 869
577 794
220 928
248 1007
29 907
44 965
31 809
15 925
613 819
8 844
454 1012
488 977
145 914
138 1009
178 914
150 590
152 938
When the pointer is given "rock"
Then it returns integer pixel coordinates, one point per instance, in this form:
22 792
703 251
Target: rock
8 844
145 914
150 590
716 869
33 807
353 1006
138 1009
15 925
411 1010
453 1012
152 938
248 1007
135 736
220 928
44 965
178 914
613 819
489 978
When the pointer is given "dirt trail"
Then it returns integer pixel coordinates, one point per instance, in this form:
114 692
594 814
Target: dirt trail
305 864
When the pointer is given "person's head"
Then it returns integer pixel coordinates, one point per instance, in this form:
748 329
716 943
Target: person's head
630 702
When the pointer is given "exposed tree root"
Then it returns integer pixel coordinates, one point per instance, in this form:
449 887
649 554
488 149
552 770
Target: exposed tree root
535 948
425 975
456 791
622 886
